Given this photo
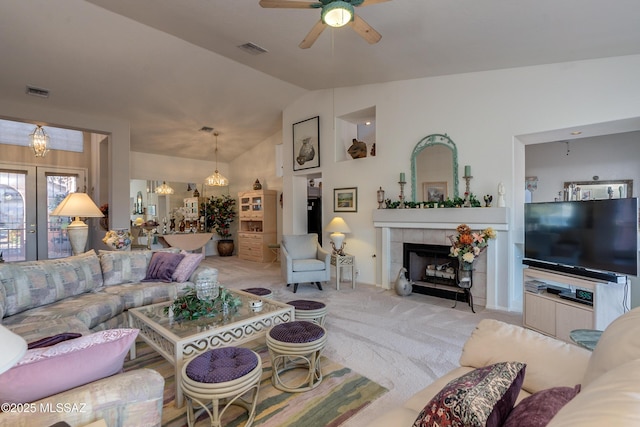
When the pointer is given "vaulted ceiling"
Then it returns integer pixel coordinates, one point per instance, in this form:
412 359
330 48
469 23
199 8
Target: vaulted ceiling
171 67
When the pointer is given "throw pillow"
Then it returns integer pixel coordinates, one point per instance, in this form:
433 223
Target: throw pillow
69 364
162 267
538 409
53 340
482 397
187 266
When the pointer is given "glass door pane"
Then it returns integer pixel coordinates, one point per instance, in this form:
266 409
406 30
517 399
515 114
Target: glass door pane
17 221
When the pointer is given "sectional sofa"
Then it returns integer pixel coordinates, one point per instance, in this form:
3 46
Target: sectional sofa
85 294
607 380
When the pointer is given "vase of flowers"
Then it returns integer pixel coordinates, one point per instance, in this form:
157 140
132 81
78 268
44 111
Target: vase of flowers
118 240
466 246
219 214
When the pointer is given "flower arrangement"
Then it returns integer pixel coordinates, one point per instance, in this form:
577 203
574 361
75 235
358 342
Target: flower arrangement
219 214
190 307
118 239
468 244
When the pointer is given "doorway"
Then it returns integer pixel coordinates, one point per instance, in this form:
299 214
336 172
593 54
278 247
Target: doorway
28 195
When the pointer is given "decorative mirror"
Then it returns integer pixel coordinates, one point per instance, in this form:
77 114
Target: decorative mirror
598 190
434 169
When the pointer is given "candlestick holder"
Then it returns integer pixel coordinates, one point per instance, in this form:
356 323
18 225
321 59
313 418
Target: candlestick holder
380 194
401 196
467 193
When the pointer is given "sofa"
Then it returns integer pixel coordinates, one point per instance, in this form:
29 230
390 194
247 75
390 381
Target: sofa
86 294
563 384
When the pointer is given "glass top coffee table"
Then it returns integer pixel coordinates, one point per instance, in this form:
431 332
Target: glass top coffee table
180 340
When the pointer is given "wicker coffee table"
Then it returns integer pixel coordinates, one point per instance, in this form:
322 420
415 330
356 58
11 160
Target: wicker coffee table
179 341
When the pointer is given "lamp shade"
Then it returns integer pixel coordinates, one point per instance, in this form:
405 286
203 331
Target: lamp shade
13 348
338 225
77 204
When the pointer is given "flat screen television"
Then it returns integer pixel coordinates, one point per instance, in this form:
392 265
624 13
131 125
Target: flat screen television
583 237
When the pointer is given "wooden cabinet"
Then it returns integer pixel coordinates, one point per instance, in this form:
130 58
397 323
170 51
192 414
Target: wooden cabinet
257 227
555 316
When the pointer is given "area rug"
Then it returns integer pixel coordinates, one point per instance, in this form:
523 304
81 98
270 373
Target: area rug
342 394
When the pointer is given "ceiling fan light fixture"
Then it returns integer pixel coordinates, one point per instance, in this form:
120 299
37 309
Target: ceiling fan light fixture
39 141
337 14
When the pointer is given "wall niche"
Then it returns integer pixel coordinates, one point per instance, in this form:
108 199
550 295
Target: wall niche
356 135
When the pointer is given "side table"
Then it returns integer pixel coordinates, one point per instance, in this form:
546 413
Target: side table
341 262
586 338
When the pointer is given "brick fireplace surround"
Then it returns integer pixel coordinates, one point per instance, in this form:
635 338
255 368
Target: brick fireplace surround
433 226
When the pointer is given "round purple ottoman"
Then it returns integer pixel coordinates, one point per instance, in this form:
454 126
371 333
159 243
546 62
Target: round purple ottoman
261 292
223 376
313 311
296 346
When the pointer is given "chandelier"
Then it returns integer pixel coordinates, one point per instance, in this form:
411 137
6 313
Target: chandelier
164 189
217 179
39 141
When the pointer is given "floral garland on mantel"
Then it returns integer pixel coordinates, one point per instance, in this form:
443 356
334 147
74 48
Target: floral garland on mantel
190 307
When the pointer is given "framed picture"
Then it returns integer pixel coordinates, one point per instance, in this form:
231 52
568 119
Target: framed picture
306 144
345 199
434 191
151 210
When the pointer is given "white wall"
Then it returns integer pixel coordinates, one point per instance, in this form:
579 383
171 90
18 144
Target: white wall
481 112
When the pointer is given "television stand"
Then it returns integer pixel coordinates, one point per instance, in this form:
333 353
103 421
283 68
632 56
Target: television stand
547 312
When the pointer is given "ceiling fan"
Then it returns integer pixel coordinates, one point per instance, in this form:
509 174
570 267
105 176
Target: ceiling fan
335 13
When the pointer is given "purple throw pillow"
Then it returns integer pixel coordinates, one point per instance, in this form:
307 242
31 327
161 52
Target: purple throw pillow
538 409
162 266
482 397
55 339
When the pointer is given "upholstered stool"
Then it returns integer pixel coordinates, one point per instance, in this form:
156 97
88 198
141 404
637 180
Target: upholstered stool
314 311
296 345
261 292
223 376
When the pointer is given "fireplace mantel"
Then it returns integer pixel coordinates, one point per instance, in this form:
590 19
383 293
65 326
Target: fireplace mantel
440 218
442 222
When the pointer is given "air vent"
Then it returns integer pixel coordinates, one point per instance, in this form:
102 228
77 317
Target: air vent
206 129
36 91
252 48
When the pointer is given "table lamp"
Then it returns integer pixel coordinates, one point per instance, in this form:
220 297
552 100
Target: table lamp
337 227
77 205
13 348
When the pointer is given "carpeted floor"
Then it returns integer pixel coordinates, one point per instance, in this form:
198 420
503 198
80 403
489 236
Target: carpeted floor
401 343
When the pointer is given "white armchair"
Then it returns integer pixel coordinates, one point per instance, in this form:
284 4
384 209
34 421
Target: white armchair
303 260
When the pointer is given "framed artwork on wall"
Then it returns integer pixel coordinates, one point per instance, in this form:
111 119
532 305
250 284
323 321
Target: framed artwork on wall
306 144
345 199
434 191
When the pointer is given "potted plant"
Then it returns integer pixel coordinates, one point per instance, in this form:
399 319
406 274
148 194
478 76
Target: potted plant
219 214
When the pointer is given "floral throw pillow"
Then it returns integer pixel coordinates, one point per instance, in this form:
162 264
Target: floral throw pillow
483 397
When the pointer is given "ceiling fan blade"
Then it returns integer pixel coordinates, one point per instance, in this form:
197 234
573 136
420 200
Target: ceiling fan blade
370 2
313 35
365 30
284 4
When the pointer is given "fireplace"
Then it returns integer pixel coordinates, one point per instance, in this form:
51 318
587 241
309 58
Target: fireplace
492 286
432 270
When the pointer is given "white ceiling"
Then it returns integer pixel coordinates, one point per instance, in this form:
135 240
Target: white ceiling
170 67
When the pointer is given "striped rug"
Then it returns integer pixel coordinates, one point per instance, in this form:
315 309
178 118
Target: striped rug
341 395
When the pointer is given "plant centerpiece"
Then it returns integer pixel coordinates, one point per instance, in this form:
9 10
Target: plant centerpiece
219 214
468 244
190 307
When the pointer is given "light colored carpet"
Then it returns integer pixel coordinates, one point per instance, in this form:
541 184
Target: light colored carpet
402 343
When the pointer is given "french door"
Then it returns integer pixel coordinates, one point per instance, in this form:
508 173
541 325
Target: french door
28 195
